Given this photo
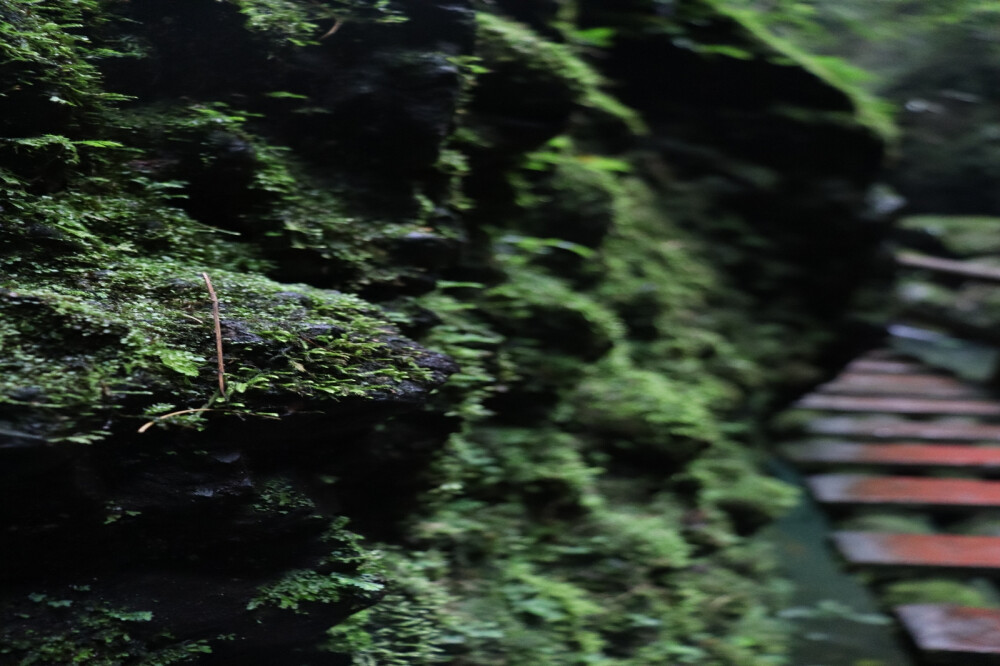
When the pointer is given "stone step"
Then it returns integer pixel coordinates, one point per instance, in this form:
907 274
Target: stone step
945 552
949 630
883 366
908 491
901 430
899 405
966 269
894 454
894 400
913 385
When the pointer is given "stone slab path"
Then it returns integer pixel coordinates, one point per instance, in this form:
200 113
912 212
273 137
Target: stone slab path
811 454
892 432
952 630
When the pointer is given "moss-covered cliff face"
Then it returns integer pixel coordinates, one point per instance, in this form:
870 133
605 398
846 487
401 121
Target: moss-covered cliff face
501 290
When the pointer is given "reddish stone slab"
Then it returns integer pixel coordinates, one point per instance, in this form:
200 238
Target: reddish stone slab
947 628
882 366
897 405
911 491
875 429
922 385
899 454
935 551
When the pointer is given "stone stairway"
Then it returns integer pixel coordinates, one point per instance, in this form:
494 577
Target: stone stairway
892 432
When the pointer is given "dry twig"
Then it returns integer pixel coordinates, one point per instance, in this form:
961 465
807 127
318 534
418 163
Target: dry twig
150 424
335 28
218 335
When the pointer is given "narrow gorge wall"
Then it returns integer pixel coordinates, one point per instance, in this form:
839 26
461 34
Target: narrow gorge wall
502 288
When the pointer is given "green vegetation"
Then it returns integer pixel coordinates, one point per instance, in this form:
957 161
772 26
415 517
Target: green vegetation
963 236
505 42
935 63
91 633
587 489
898 25
300 24
937 591
302 587
111 260
868 108
533 524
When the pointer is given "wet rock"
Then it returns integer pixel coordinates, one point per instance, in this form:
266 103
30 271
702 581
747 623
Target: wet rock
238 332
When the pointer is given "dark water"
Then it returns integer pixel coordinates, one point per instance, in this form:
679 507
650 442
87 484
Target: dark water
836 619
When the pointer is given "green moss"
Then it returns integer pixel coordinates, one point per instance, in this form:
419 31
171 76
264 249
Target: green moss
474 345
314 226
890 522
678 316
652 535
729 481
935 591
110 263
869 110
570 557
550 309
503 41
627 561
147 328
644 412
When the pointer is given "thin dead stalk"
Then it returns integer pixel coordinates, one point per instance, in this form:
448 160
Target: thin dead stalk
149 425
218 335
218 353
335 28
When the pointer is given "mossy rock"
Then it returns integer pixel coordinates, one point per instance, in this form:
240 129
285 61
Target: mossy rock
738 489
640 414
575 203
148 349
537 81
538 306
181 615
